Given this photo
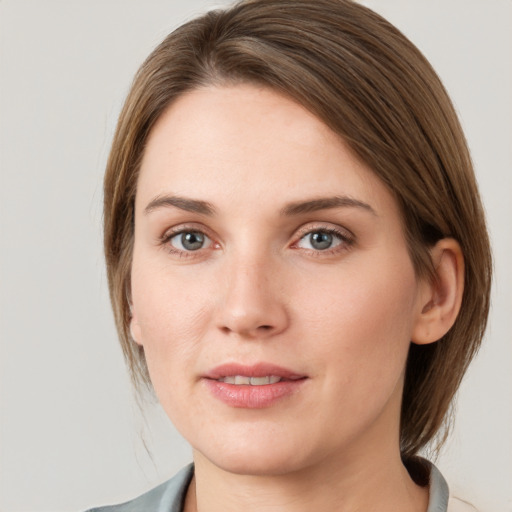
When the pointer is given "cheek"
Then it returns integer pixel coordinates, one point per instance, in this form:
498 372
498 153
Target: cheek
172 315
363 319
359 339
172 320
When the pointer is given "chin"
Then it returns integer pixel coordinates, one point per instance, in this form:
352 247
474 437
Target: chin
263 465
259 455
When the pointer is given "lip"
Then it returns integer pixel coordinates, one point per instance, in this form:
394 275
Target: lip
255 370
249 396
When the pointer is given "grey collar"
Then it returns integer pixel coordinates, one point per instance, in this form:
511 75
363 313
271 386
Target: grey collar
438 491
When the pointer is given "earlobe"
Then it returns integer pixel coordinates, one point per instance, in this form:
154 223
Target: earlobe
135 330
440 299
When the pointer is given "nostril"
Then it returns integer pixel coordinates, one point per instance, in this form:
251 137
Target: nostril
261 328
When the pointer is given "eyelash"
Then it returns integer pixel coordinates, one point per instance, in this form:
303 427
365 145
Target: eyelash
345 238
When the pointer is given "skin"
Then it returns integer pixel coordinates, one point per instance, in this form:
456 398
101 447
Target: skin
259 290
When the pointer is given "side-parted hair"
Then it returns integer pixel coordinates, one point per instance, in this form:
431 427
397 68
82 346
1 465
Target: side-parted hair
367 82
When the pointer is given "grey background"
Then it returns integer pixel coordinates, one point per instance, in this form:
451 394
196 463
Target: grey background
71 435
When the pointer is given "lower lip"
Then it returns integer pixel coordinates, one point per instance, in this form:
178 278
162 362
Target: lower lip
253 397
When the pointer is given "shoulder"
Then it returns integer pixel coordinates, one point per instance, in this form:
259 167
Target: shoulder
459 505
168 496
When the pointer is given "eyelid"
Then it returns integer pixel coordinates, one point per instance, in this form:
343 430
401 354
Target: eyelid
184 227
311 227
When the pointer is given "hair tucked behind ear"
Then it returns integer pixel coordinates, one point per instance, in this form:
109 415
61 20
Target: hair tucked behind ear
370 85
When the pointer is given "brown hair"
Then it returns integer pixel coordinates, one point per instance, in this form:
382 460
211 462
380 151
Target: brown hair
373 87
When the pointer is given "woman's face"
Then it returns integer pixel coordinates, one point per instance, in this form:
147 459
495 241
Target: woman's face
272 288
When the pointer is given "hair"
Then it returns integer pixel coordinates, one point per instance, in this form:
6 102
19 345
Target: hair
367 82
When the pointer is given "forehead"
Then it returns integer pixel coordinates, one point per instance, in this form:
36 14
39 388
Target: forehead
245 143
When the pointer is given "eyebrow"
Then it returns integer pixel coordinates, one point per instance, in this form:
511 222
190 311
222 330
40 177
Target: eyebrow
291 209
324 203
183 203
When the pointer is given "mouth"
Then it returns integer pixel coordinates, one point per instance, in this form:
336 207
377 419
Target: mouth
260 374
252 387
244 380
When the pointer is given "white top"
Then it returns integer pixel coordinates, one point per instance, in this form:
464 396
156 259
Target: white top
458 505
439 495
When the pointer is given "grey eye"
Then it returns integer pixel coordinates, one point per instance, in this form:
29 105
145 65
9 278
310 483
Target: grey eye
319 240
190 241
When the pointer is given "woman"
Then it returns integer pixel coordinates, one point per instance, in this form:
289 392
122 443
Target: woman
287 209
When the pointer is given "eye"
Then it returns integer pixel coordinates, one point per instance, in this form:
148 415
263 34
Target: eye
189 241
323 240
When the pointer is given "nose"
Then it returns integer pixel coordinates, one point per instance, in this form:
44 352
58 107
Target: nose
252 305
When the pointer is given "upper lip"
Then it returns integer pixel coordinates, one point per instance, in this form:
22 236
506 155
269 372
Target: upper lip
255 370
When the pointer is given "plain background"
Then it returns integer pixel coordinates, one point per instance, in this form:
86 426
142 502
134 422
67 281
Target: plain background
71 433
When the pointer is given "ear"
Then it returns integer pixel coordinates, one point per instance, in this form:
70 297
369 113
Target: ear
135 330
440 300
